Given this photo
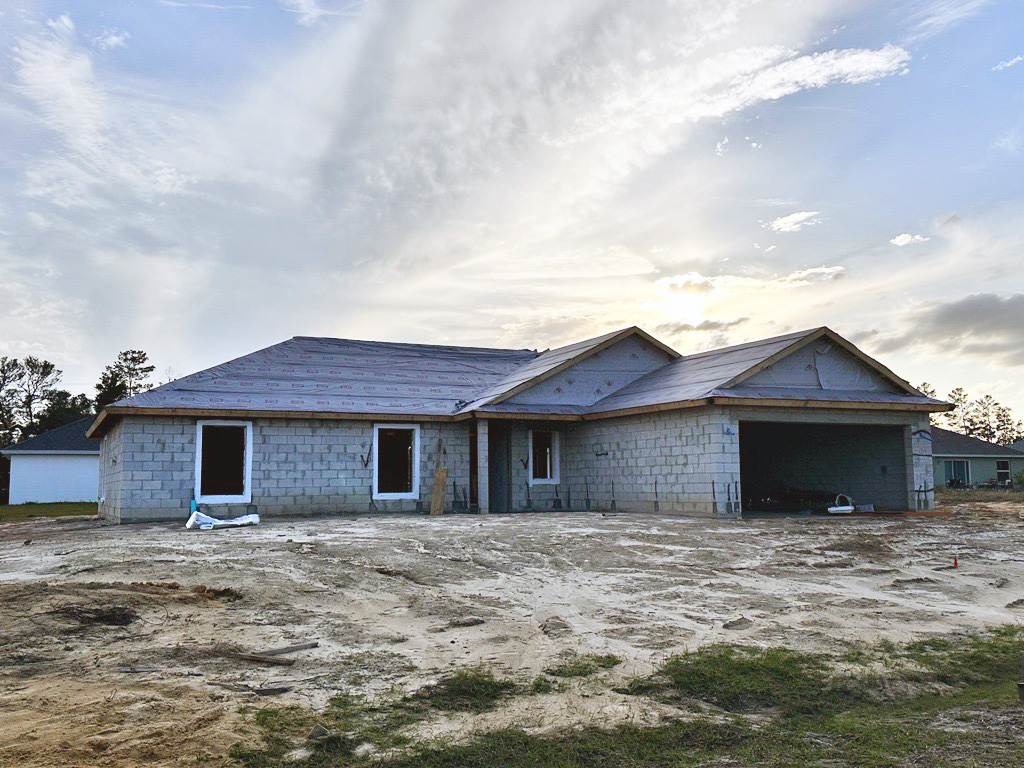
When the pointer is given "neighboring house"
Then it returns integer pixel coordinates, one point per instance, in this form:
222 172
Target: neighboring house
59 465
962 461
620 422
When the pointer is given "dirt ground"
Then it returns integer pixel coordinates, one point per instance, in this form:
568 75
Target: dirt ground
116 644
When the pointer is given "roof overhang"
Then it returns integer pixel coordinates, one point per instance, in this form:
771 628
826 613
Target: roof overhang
108 416
977 455
50 453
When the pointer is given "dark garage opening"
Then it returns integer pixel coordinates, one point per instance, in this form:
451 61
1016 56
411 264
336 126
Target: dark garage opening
802 467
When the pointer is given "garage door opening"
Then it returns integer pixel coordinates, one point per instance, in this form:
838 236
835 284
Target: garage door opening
795 468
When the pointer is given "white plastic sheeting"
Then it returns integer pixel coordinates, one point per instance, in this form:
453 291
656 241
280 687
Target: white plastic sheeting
838 369
205 523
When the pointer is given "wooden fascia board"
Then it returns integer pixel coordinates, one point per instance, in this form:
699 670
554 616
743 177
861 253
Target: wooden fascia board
487 415
217 413
653 408
624 334
828 404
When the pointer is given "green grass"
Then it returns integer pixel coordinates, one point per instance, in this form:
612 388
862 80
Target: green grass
741 679
61 509
582 665
467 690
781 708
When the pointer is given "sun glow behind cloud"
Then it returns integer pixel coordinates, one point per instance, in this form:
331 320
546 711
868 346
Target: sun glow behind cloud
433 172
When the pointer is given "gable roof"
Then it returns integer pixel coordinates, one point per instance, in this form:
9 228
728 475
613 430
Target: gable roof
692 377
946 443
552 361
340 378
69 438
719 375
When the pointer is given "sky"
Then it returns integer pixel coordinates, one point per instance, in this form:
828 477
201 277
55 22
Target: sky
203 179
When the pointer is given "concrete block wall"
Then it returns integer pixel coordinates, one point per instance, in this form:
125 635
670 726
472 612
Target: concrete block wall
920 475
682 462
676 462
110 464
299 466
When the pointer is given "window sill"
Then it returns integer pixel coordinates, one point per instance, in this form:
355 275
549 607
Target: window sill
224 500
542 481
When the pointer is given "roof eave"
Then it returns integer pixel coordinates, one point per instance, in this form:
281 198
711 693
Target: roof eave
841 404
101 425
49 452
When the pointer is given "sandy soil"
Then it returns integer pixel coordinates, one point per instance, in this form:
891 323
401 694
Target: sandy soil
396 601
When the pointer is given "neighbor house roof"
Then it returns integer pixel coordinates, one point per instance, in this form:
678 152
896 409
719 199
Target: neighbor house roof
338 378
69 438
946 443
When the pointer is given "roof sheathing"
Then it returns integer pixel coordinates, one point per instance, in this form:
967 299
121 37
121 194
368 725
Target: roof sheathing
311 377
553 361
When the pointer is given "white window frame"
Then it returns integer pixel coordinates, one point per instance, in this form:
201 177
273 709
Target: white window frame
244 498
415 492
556 461
1008 470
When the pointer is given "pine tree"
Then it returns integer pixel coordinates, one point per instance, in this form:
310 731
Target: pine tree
126 377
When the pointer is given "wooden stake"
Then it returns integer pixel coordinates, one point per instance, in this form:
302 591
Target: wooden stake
288 649
440 483
265 659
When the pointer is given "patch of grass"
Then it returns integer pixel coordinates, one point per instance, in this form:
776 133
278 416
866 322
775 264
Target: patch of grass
677 744
466 690
542 685
62 509
583 665
818 718
741 679
987 657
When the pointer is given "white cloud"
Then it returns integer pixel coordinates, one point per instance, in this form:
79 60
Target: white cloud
1011 142
794 222
205 6
908 239
1008 63
111 39
694 282
428 156
936 16
720 146
308 11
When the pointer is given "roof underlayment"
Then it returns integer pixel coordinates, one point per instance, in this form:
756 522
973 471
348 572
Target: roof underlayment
323 376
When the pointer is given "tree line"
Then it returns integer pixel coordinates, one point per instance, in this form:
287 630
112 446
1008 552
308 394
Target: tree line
32 402
983 417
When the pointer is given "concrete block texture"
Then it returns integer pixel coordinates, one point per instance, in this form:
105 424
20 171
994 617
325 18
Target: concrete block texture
299 466
673 462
